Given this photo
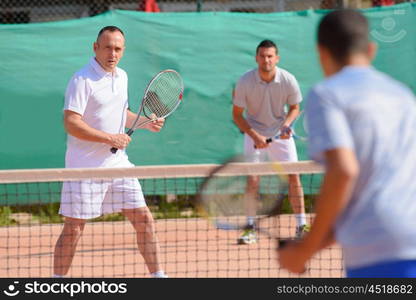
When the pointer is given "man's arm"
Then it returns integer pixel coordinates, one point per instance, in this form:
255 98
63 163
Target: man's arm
341 172
291 116
241 122
75 126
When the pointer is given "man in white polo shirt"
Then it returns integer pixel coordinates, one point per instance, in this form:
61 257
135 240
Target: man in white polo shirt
263 94
95 116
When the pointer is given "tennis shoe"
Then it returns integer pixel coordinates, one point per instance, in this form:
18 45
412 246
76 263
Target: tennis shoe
249 236
302 230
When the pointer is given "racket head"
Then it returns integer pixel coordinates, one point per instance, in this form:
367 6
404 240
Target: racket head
163 94
226 199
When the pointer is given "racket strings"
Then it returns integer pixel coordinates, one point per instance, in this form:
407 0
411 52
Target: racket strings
226 196
163 95
228 202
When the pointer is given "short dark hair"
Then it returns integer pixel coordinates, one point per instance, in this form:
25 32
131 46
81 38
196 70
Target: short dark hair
343 32
109 28
267 44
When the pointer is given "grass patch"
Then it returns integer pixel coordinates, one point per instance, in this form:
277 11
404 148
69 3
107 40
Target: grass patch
5 216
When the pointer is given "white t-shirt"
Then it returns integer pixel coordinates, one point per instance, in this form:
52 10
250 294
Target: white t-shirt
101 98
264 102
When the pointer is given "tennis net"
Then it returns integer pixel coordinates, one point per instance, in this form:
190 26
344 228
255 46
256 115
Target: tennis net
189 246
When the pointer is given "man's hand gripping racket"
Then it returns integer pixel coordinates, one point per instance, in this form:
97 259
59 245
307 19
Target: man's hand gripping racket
161 98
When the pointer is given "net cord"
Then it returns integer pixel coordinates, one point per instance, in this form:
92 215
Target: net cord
160 171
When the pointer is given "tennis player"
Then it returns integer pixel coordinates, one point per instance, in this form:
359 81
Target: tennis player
95 115
263 95
362 126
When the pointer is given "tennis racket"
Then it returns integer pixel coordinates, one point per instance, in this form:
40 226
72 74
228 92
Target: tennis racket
298 130
161 98
226 199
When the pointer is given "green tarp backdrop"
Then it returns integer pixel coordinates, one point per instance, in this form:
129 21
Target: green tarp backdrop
210 50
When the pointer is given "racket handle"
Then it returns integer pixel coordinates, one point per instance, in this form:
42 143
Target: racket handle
268 141
114 149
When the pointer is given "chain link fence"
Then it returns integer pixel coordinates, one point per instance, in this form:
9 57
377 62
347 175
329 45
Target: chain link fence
29 11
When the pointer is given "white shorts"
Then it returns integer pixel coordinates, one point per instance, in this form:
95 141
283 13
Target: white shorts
278 150
89 199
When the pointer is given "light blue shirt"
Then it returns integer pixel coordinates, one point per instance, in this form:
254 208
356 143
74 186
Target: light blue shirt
368 112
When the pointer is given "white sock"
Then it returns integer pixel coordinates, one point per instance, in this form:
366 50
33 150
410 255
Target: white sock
300 219
58 276
159 274
250 221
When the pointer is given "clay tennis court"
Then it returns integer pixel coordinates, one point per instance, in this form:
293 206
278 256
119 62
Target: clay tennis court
189 248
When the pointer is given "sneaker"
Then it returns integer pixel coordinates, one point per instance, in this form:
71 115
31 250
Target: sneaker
249 236
159 274
301 230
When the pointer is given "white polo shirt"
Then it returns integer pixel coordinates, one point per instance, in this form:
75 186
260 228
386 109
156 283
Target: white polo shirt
101 98
264 102
366 111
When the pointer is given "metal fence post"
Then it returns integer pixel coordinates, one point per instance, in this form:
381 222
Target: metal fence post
199 5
